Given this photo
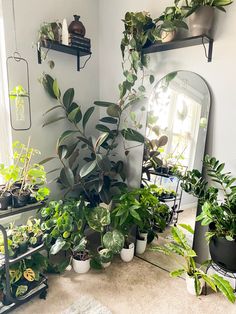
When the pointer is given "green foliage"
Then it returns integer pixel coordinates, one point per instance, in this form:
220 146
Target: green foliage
193 5
63 224
180 246
96 177
217 209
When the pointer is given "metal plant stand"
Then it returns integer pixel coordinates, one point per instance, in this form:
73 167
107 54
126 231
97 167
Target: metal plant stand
9 301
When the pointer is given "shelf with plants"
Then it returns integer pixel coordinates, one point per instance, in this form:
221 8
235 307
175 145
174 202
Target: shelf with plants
182 43
68 49
21 265
11 211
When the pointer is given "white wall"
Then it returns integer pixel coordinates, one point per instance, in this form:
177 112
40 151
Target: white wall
29 16
219 74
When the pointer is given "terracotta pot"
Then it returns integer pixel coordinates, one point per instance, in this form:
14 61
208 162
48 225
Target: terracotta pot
77 27
201 21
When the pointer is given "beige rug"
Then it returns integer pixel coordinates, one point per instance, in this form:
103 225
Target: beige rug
87 305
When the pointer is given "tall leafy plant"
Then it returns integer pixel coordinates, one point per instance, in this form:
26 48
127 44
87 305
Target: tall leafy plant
97 176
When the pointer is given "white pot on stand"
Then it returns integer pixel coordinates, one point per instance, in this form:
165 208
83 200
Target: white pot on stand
190 283
81 267
127 254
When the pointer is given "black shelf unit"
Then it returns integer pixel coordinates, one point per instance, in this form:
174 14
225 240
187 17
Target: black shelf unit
72 50
6 261
14 211
182 43
173 202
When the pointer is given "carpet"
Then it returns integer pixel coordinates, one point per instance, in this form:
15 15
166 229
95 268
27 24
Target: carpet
87 305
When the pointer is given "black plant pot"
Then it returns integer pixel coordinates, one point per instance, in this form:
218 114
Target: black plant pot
20 200
223 253
39 241
23 247
5 201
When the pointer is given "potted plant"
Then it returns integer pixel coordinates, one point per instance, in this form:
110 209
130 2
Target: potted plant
10 175
169 21
218 203
34 231
195 277
81 257
18 94
32 176
201 15
20 238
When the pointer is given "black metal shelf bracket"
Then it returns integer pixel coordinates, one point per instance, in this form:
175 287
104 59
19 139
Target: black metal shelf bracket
182 43
72 50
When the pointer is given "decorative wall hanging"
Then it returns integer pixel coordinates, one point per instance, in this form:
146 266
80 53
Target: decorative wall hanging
18 87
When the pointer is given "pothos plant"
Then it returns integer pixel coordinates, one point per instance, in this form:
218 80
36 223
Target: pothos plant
97 177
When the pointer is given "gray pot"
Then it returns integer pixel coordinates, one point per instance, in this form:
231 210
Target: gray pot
201 21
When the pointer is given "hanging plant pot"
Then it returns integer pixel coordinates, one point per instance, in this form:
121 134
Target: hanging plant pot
190 284
223 253
167 35
5 201
201 21
127 254
20 199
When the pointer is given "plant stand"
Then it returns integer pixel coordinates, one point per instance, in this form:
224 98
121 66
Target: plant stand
230 276
174 202
5 263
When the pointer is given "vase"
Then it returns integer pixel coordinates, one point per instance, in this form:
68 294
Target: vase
201 21
141 246
77 27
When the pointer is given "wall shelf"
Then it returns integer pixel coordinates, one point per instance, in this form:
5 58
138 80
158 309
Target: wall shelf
72 50
182 43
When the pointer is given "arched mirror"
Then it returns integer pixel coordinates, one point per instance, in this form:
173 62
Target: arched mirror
176 132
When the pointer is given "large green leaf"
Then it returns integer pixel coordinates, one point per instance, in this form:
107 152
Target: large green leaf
53 120
177 273
103 162
180 238
132 135
87 115
187 227
197 285
81 246
58 246
209 281
56 89
67 177
62 151
48 85
102 128
87 168
98 218
68 97
109 120
101 139
103 103
65 135
75 115
113 241
224 287
53 108
114 111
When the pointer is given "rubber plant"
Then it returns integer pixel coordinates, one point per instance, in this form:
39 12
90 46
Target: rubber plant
97 177
180 246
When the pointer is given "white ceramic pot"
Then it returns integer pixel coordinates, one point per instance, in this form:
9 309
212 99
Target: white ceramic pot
141 246
105 265
81 267
127 254
167 36
191 286
143 235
